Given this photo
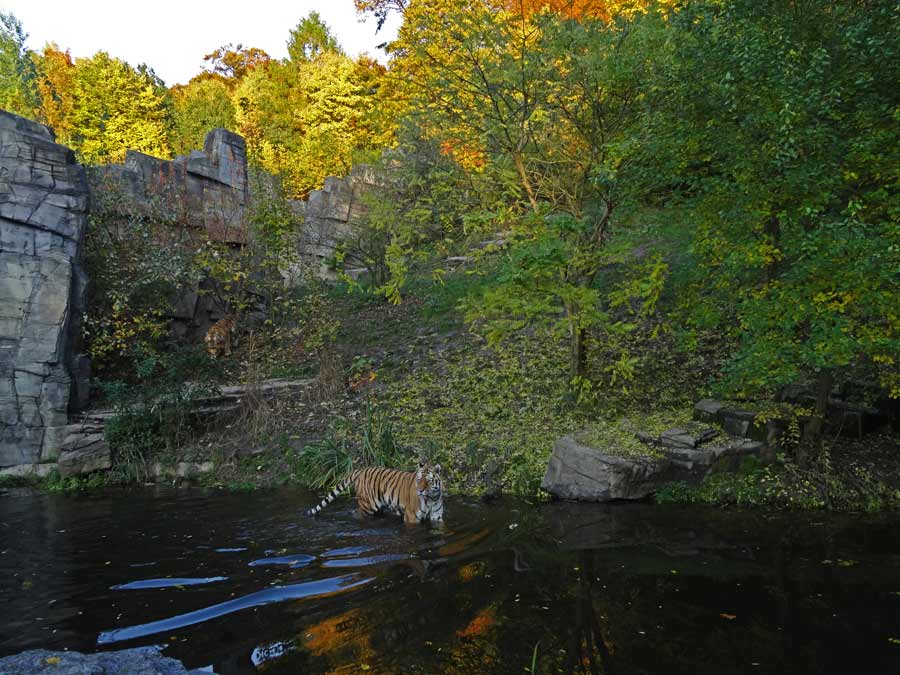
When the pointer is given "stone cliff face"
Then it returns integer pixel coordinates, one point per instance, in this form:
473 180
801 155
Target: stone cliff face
206 192
329 214
45 196
43 212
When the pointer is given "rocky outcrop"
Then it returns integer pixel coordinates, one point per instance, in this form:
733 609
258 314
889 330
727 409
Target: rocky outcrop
83 449
577 471
330 213
138 661
207 191
203 196
43 209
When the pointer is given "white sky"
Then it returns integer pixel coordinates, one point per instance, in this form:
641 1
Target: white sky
172 36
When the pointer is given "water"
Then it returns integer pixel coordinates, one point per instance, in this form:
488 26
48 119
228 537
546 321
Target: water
243 583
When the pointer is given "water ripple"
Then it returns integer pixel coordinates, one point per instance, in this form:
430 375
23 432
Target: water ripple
270 595
367 560
166 583
348 550
292 561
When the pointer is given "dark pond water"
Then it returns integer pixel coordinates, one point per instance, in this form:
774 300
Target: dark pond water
242 583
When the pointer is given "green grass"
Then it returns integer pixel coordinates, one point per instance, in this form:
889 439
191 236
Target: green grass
619 438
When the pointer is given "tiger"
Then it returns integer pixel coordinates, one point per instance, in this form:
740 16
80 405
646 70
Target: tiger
418 495
218 337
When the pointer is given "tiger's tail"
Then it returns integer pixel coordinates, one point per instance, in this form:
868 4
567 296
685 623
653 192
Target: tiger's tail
339 488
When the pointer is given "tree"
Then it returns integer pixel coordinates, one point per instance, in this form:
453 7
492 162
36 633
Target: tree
115 108
18 77
549 104
781 123
308 120
310 39
56 88
234 62
202 104
380 9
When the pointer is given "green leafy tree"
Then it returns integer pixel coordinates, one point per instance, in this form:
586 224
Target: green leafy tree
310 39
204 103
547 106
116 108
308 120
18 76
780 124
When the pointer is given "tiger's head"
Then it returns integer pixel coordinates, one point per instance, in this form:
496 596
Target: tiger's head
428 481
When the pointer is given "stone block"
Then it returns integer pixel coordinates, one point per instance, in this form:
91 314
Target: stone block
707 410
728 458
29 470
90 453
579 472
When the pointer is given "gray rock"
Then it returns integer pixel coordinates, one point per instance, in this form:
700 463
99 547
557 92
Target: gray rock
28 470
728 458
735 421
579 472
707 410
83 453
43 213
679 437
139 661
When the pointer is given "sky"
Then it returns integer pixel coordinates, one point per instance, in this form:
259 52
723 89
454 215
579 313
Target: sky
172 36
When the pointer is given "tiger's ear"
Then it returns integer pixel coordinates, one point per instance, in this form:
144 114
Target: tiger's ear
422 463
437 468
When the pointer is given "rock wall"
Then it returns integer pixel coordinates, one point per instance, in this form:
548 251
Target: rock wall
328 216
43 209
45 196
44 200
206 192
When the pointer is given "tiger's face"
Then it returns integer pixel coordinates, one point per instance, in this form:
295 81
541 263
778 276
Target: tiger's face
428 482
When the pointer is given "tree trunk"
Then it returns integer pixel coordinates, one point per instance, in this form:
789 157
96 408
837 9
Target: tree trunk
773 229
813 431
523 175
577 343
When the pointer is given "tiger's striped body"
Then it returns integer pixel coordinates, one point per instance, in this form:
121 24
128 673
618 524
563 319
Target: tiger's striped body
218 337
415 495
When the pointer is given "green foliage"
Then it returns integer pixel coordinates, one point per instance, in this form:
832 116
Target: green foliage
18 76
618 437
156 415
785 485
310 39
782 128
139 259
305 121
324 464
466 404
56 484
116 108
197 107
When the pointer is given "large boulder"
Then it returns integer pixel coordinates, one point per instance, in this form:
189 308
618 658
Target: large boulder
84 449
139 661
580 472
